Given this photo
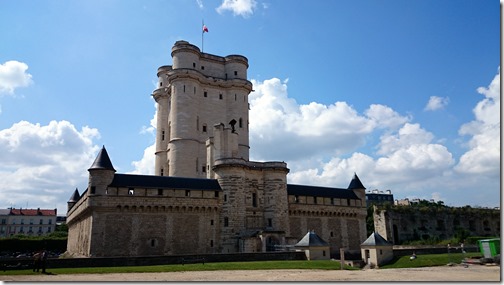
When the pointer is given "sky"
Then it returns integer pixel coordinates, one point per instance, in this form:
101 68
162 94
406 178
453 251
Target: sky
404 93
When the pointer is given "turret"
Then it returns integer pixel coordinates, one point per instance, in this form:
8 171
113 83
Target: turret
101 174
359 189
75 197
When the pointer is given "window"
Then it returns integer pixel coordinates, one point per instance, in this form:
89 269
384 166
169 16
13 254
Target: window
211 222
162 135
194 64
160 84
332 201
205 94
152 242
50 222
204 128
4 221
235 97
226 221
236 73
48 229
323 253
216 194
211 243
270 222
131 191
93 189
203 169
220 96
22 221
314 200
162 171
188 193
160 192
348 202
202 67
240 123
184 88
296 199
225 198
332 234
254 200
31 221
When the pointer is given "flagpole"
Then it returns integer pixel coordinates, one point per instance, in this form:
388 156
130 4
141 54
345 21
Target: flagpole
202 33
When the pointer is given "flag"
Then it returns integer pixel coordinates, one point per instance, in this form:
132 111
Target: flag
205 29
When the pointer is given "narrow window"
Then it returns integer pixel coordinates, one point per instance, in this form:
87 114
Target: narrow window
254 200
41 222
205 94
270 222
220 96
184 88
93 189
162 171
204 128
162 135
131 191
348 202
197 123
188 193
211 222
236 73
203 169
332 234
194 64
323 253
235 97
226 76
314 200
202 67
225 198
226 221
216 194
160 84
296 199
332 201
153 243
160 192
240 123
194 89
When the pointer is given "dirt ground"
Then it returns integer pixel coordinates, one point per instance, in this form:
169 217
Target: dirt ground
475 273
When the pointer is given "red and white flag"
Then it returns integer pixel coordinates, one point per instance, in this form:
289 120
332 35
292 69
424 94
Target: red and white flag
205 29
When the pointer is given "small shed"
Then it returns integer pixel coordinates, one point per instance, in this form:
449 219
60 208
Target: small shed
314 247
376 250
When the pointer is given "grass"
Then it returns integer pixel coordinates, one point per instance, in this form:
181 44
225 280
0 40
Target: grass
426 260
251 265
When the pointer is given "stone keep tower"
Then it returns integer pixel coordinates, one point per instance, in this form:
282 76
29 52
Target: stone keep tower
198 91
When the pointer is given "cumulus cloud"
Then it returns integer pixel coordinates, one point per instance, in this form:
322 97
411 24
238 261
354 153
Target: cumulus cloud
244 8
41 163
13 75
145 165
483 155
436 103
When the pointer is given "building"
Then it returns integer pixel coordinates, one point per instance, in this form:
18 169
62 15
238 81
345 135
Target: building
204 185
376 196
376 251
31 222
315 248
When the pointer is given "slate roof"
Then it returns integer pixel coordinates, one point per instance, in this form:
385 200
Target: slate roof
75 196
102 161
356 183
311 239
164 182
376 239
305 190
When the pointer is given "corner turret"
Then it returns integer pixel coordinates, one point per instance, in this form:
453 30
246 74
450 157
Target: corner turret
101 174
359 189
75 197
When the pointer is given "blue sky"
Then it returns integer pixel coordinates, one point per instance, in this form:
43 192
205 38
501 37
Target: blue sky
404 93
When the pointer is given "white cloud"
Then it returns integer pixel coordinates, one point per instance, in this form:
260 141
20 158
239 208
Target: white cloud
436 103
244 8
483 156
199 3
42 164
13 75
145 165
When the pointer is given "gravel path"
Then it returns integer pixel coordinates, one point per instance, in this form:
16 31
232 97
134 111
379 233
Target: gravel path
476 273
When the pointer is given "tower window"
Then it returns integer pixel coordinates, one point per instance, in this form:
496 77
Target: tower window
162 171
296 199
332 201
211 222
211 243
184 88
93 189
216 195
204 128
240 123
225 198
220 96
160 84
314 200
162 135
194 64
131 191
254 200
235 97
205 94
202 67
270 222
160 192
236 73
226 221
188 193
203 169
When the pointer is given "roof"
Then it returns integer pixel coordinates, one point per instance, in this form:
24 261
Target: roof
312 239
356 183
32 212
376 239
305 190
164 182
102 161
75 196
4 212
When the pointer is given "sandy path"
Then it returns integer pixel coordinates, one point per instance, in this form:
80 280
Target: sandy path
475 273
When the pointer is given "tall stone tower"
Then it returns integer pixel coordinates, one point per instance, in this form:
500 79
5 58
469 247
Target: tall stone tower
198 91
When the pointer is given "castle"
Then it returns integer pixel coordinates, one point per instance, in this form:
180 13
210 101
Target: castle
206 196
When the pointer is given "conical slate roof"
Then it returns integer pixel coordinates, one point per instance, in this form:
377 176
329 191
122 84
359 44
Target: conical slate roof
311 239
102 161
75 196
376 239
356 183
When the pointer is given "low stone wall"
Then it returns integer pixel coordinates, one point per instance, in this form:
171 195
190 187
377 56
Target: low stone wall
19 263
